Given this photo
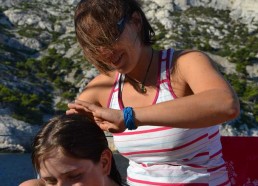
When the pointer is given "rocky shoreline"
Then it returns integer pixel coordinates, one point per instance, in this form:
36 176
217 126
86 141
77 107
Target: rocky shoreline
16 136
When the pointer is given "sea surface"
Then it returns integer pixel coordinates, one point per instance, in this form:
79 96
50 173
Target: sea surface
15 168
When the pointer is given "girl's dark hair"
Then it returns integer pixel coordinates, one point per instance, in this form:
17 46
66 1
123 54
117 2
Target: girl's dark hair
96 25
77 137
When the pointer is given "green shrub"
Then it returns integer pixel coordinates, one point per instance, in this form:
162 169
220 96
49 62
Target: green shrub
61 107
241 68
251 93
256 112
238 84
69 95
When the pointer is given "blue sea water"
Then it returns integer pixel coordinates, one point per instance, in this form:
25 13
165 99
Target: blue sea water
15 168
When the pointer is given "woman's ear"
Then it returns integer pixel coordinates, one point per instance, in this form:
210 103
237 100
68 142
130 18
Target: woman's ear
136 19
106 161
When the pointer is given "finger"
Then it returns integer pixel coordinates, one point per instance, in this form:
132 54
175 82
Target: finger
78 107
71 111
98 120
104 127
73 105
80 112
102 124
90 106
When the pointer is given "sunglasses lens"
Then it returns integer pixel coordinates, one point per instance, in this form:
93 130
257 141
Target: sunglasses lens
121 25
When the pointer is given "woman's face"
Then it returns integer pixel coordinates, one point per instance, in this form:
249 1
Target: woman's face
59 169
125 52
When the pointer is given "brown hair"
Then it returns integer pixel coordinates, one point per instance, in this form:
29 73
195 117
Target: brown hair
77 137
96 25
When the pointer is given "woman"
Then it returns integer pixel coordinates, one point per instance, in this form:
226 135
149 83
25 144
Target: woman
163 107
71 150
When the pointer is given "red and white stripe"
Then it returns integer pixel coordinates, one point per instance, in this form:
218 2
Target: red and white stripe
169 156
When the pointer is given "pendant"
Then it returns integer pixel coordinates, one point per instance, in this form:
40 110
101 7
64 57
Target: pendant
143 89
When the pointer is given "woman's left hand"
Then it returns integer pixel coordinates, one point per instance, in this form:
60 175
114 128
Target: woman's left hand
110 120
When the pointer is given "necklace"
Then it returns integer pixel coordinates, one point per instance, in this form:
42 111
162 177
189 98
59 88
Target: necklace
143 89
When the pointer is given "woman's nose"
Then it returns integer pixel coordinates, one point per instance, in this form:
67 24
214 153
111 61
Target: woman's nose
105 52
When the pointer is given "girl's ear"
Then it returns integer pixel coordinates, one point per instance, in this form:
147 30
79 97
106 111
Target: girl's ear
106 161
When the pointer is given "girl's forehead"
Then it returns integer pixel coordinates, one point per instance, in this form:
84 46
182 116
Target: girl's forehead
62 164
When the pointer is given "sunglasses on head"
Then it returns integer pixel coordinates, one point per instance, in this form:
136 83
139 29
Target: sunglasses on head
121 26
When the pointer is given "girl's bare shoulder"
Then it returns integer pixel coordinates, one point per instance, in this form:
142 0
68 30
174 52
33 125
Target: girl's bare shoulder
33 182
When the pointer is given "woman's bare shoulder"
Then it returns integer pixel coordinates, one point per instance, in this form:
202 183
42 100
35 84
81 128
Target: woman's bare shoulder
190 55
198 71
190 59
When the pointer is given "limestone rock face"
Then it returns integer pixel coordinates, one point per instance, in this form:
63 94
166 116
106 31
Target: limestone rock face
15 135
244 10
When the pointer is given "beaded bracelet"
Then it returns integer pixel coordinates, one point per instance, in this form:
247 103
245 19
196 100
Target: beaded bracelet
129 118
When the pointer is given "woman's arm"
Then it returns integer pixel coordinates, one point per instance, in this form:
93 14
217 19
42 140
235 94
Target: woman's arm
96 92
212 101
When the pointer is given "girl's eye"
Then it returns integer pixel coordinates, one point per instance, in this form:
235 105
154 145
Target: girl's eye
50 181
75 177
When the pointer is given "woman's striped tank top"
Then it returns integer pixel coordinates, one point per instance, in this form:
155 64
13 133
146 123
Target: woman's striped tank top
169 156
